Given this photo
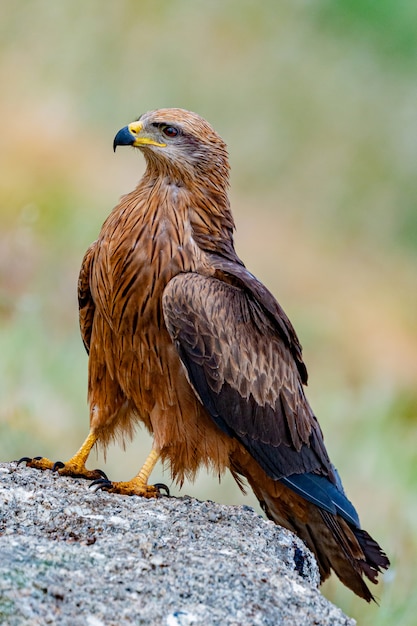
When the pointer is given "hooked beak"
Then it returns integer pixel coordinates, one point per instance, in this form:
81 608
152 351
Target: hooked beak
132 135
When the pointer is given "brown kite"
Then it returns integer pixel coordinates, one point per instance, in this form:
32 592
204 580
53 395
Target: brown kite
182 338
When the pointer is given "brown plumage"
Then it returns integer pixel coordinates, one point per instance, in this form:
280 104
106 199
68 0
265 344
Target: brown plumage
182 338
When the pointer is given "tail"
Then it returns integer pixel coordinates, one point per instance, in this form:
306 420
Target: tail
332 534
351 552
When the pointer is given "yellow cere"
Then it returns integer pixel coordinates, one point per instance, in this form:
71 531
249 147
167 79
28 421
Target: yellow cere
135 128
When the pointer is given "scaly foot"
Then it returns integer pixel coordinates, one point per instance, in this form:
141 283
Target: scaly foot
74 467
71 468
38 462
138 486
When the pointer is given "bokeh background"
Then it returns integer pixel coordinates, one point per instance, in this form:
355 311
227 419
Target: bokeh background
318 104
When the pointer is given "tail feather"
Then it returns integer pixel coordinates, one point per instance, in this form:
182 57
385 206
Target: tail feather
358 555
337 542
376 559
350 552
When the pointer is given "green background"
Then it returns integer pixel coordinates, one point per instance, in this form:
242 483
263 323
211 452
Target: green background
318 104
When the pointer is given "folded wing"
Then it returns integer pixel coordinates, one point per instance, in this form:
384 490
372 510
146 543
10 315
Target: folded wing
244 373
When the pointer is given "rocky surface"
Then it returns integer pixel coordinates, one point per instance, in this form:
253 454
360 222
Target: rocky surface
71 556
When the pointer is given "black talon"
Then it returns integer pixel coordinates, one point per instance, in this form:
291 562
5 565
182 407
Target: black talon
98 481
160 486
99 471
101 483
24 459
28 459
57 465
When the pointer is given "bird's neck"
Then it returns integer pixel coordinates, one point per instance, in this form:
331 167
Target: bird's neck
201 202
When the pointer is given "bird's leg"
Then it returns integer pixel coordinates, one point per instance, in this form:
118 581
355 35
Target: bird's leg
74 467
138 486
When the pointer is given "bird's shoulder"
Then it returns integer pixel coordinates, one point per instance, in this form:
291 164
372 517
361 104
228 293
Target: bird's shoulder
230 285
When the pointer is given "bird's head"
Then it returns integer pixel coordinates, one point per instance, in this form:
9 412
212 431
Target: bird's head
183 150
177 140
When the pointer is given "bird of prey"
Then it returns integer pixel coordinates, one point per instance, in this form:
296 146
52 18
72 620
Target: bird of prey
184 339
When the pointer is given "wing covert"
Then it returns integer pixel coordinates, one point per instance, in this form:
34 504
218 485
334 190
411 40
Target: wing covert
244 373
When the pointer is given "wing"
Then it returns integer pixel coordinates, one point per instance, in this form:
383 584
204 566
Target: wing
237 274
85 301
240 362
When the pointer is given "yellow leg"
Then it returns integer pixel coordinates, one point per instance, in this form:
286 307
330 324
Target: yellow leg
138 486
75 466
147 468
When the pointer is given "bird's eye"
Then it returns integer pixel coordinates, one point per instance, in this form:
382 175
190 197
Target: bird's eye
170 131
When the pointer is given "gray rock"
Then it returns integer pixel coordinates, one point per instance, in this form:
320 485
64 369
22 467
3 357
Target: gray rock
71 556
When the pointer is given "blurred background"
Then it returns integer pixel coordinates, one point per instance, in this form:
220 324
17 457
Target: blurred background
318 104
